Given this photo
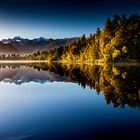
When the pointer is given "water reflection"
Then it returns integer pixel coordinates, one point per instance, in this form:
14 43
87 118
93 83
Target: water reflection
63 110
23 73
119 84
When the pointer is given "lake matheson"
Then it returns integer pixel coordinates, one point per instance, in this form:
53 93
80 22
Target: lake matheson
52 101
69 69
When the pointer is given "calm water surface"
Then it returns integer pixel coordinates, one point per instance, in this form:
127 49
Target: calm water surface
42 102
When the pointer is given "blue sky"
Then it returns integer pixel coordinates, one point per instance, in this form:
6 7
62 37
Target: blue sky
58 19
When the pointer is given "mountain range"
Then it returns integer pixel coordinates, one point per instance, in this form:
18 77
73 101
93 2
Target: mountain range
23 46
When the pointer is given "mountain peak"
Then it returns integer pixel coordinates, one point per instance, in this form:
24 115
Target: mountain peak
40 39
17 37
28 46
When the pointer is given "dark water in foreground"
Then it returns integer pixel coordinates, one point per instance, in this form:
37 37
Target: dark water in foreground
54 102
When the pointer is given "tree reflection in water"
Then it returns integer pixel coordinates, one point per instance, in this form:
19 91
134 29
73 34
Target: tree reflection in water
119 84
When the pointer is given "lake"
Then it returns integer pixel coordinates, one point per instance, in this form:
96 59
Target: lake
41 101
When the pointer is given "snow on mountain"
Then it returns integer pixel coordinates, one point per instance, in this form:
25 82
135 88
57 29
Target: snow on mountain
27 46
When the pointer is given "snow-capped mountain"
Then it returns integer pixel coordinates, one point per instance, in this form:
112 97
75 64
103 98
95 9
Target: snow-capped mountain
27 46
41 39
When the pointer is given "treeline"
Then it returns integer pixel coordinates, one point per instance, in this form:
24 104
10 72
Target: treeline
12 57
118 41
52 55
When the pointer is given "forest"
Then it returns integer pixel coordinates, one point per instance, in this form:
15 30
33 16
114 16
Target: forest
118 41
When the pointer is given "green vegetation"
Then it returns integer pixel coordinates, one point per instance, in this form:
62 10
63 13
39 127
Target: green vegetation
119 41
11 57
45 55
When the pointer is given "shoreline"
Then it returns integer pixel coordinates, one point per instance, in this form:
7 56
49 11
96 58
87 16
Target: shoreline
71 63
23 61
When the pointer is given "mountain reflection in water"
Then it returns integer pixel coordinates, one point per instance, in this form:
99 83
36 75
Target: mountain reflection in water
119 84
40 101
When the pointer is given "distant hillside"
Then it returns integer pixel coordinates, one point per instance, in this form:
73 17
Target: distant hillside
26 46
7 49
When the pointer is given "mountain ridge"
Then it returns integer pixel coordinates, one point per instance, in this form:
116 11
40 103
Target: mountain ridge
25 46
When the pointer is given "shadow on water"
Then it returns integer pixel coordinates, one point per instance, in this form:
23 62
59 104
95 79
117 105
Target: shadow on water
119 84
